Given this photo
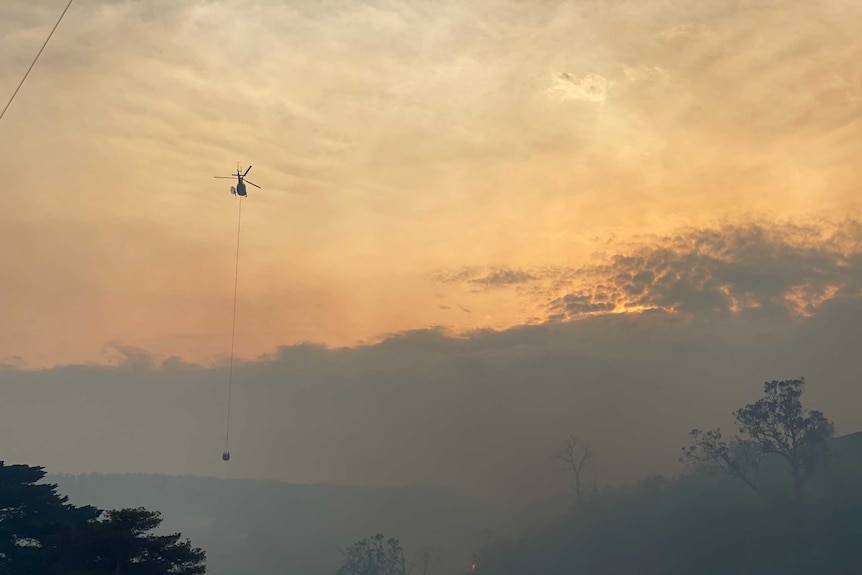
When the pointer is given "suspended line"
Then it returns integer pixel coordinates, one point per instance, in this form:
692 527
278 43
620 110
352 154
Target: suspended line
233 329
15 93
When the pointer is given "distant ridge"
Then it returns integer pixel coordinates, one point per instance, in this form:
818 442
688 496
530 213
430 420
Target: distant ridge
856 436
269 527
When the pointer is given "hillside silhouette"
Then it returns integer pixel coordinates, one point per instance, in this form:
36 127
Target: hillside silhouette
704 522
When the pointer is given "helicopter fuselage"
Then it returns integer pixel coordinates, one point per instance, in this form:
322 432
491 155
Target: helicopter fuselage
239 189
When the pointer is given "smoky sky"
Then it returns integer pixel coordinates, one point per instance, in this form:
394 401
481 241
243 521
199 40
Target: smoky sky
397 140
724 310
483 227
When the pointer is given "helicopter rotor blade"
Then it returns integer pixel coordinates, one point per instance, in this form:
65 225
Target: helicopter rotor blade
246 172
252 183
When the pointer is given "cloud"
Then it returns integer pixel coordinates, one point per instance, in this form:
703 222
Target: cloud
645 74
684 31
13 362
493 277
503 277
588 87
785 269
575 305
131 357
781 268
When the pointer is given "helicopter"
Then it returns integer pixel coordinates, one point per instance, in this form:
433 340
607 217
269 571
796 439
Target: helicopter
239 190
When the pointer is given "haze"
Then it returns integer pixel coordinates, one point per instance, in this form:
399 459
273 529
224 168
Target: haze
482 228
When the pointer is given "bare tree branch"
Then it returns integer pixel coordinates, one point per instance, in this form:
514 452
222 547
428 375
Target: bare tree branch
574 458
735 458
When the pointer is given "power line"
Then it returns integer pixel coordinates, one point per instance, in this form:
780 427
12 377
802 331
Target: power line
15 93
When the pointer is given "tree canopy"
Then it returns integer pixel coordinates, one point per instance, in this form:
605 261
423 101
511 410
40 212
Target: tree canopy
41 533
374 556
776 425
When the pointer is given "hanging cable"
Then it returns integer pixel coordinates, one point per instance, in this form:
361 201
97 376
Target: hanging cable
21 83
226 454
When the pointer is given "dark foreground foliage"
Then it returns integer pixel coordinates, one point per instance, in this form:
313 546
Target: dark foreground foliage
42 534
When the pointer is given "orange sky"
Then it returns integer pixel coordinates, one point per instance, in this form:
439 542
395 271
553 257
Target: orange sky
397 143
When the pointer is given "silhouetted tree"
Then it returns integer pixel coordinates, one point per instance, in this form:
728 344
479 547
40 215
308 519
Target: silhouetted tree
737 458
120 544
38 527
42 534
574 458
776 424
374 556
